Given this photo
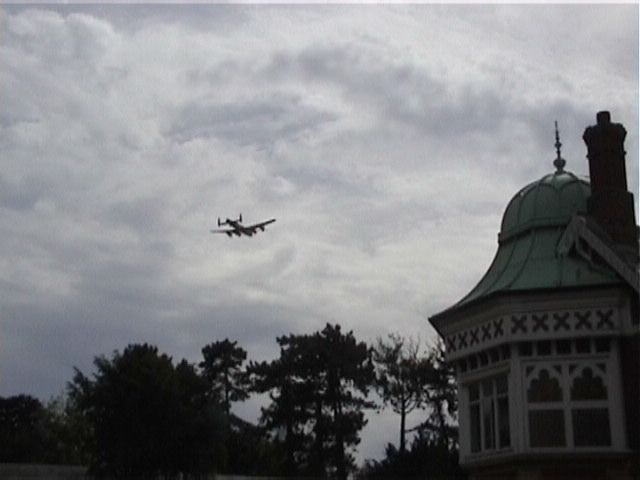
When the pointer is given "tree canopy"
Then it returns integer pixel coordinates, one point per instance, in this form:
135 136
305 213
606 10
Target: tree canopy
222 368
319 388
148 417
140 414
400 376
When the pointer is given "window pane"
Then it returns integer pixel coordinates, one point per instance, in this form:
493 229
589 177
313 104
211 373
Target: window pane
474 423
546 428
473 393
462 365
583 345
602 345
544 348
563 347
591 427
504 436
525 349
506 352
588 387
484 359
544 388
494 354
501 384
487 388
488 422
473 362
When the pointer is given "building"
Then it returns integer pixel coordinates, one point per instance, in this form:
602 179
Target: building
547 344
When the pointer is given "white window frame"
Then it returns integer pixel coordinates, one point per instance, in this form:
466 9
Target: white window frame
480 402
567 405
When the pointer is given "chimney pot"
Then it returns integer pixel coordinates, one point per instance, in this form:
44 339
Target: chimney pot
603 118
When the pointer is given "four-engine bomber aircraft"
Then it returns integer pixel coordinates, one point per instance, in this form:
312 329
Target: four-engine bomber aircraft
238 229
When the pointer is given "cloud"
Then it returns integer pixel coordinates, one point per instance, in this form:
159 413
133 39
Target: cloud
252 121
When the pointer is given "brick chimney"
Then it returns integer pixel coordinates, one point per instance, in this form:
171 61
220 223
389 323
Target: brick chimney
610 204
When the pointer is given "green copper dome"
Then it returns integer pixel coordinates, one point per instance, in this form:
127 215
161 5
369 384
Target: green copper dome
548 202
532 225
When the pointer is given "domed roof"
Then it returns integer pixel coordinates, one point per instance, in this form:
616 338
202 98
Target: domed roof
532 225
550 201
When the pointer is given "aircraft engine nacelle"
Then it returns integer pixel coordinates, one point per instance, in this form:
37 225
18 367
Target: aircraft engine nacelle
228 234
262 228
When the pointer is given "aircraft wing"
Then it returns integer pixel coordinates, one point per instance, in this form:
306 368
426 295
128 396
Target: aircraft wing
229 231
254 228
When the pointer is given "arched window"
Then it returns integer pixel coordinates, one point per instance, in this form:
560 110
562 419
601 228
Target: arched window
588 387
546 415
568 405
589 412
544 388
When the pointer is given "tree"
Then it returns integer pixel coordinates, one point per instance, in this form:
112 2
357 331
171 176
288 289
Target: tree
441 397
287 414
22 430
424 459
318 388
399 378
434 451
69 432
148 417
31 432
222 368
348 373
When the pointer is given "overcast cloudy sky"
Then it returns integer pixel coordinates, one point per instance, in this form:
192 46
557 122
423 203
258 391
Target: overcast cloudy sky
386 140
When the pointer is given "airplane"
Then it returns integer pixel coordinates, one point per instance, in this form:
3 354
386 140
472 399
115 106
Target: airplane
238 229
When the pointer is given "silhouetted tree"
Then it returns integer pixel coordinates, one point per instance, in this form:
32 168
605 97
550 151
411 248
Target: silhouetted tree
23 435
318 389
251 452
148 417
348 373
424 459
31 432
399 378
69 430
441 397
222 368
287 414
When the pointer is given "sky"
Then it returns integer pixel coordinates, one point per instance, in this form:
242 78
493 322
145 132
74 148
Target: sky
385 139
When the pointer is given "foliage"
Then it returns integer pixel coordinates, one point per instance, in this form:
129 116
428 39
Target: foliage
318 389
222 368
141 415
400 376
430 385
31 432
22 429
425 459
251 452
148 417
69 430
288 413
441 397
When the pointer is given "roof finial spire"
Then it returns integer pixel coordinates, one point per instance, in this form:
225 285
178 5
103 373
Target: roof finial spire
559 162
